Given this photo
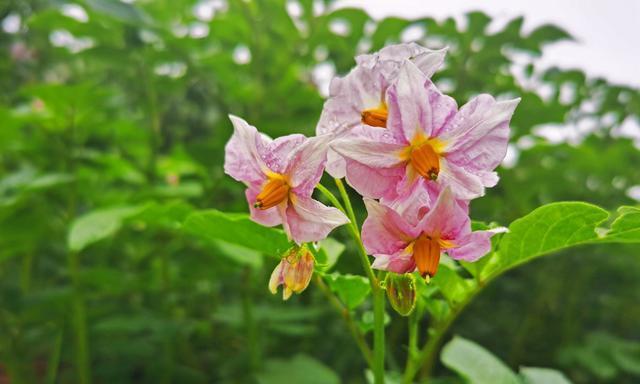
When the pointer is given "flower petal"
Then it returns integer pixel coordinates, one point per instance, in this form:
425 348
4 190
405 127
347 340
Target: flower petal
336 165
385 231
309 220
268 217
375 154
408 104
361 89
414 201
464 184
277 277
306 164
372 182
429 61
399 262
426 59
373 165
446 219
242 159
472 246
477 136
277 153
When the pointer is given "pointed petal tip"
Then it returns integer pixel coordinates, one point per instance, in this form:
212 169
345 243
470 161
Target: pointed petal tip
286 293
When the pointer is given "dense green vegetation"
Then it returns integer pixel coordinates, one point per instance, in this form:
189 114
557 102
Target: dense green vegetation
118 265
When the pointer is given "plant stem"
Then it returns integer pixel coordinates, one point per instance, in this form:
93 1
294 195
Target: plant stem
354 230
331 197
54 359
414 336
78 309
25 273
79 322
376 290
378 336
346 315
426 357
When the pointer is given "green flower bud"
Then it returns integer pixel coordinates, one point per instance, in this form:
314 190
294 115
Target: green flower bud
401 291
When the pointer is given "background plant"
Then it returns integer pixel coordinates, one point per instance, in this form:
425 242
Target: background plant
111 143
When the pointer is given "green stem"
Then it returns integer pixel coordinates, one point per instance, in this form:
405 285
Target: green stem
25 273
354 230
54 360
79 322
346 315
331 197
78 310
414 336
376 289
426 357
378 336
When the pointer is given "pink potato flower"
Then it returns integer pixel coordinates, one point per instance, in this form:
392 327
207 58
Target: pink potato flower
281 175
428 140
358 99
402 246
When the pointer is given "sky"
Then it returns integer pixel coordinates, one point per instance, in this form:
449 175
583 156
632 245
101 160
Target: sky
606 31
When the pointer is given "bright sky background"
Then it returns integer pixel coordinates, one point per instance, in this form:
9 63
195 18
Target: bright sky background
607 31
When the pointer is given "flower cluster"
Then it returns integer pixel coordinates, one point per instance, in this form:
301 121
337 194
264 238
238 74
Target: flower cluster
415 157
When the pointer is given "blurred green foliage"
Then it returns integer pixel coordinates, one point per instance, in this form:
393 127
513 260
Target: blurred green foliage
112 128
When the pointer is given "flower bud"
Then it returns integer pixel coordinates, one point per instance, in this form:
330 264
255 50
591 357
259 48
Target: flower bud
401 291
293 272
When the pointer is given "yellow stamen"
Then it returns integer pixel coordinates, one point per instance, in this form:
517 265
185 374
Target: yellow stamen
274 192
426 253
375 117
423 154
426 161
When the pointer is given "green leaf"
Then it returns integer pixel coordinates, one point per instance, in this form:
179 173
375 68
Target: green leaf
240 254
453 286
299 369
351 289
366 322
476 364
122 11
328 254
388 29
236 228
549 33
532 375
98 225
626 227
547 229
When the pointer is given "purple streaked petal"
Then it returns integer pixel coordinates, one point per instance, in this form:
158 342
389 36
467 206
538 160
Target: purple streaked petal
472 246
477 136
372 182
276 154
268 217
309 220
407 100
242 159
306 164
399 262
446 219
414 202
385 231
464 184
